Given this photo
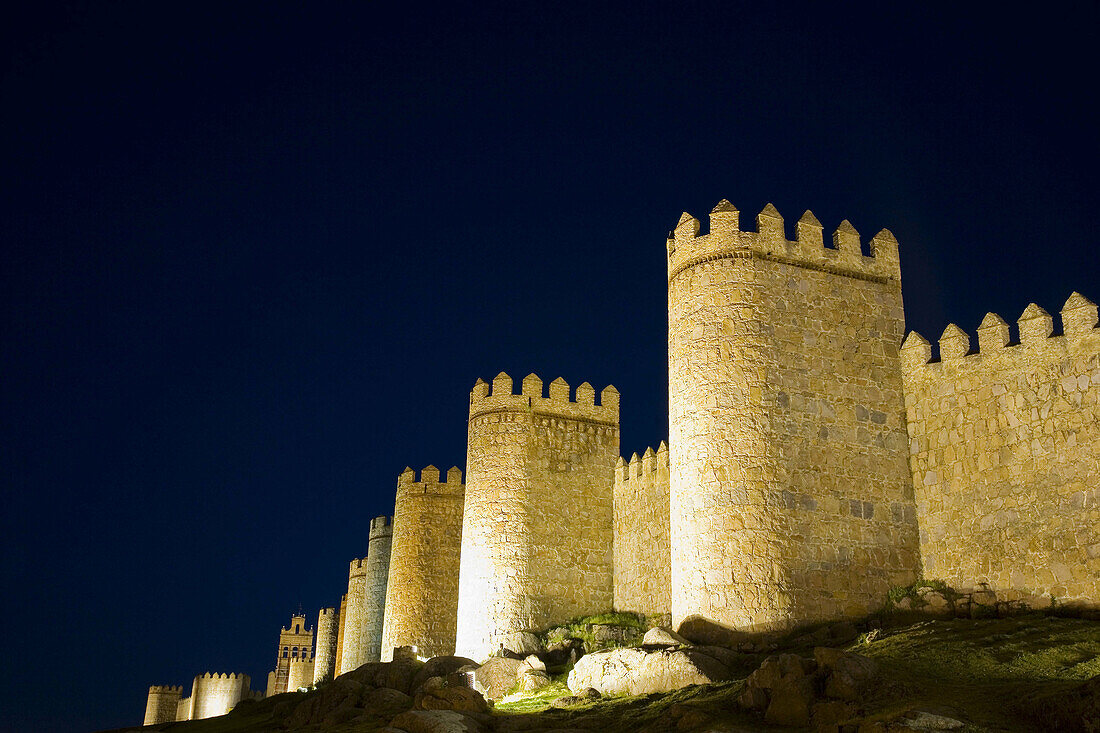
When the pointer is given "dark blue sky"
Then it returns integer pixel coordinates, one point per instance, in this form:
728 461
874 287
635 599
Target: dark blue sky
255 256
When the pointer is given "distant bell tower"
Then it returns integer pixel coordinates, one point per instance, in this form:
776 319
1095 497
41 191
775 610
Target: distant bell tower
295 652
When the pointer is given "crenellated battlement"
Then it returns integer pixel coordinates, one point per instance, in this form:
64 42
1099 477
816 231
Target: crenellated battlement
687 247
431 482
165 689
381 527
500 397
222 676
650 462
1035 326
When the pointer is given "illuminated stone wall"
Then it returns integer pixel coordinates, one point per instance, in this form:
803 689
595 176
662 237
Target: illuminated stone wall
301 674
422 592
1006 455
378 571
642 554
324 656
536 532
162 704
216 694
353 617
791 497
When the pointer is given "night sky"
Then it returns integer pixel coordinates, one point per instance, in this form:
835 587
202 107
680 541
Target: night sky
255 257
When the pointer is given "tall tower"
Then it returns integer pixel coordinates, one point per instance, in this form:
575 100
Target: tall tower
422 592
295 645
328 621
366 600
536 525
791 498
162 704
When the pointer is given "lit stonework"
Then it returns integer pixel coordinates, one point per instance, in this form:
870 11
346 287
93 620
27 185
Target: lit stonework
791 498
537 521
1005 443
422 592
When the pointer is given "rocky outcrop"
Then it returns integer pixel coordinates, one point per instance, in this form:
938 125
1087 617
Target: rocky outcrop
824 691
497 676
636 671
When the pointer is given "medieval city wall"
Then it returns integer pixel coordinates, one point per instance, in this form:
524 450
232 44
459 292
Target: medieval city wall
183 710
641 534
216 694
162 704
791 497
324 656
422 591
1005 442
536 532
300 674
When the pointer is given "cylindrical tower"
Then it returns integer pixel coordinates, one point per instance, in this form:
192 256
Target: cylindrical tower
422 592
531 462
324 657
788 451
353 619
378 570
162 704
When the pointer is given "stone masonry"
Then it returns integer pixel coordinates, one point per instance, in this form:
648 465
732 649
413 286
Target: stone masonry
1004 441
791 497
162 704
537 521
641 534
328 621
814 461
361 620
422 591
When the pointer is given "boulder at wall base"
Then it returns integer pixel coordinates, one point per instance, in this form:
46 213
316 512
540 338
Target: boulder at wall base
783 687
439 667
437 694
663 637
498 675
848 674
436 721
521 642
398 674
637 672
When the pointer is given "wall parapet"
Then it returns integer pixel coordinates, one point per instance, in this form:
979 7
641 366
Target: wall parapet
1035 326
381 527
687 247
431 481
499 397
637 467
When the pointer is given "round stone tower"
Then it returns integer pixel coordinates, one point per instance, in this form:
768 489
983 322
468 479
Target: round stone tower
353 618
791 500
537 519
324 655
422 594
162 704
378 570
366 600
